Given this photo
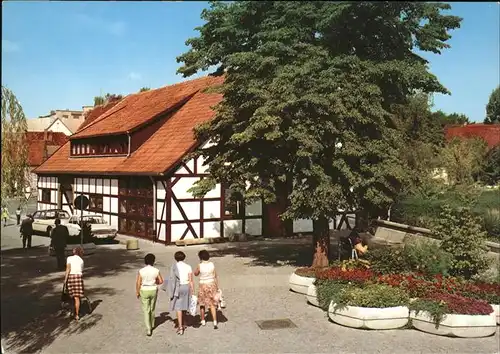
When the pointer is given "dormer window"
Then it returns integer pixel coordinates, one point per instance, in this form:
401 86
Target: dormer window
100 146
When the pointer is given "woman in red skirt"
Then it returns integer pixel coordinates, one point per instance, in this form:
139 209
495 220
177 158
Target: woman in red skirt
74 278
207 293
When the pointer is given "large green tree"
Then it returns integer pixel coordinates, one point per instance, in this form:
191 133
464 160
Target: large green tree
307 114
493 108
14 146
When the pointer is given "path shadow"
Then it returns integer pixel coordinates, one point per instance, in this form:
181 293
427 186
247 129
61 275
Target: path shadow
31 293
162 318
275 253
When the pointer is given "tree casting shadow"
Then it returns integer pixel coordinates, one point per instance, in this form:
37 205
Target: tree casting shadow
32 316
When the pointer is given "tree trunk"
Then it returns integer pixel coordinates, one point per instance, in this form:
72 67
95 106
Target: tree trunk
321 243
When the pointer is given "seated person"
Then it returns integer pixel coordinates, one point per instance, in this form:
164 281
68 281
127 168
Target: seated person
357 242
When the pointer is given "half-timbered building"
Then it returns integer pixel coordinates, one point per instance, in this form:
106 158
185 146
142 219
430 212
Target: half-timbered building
130 162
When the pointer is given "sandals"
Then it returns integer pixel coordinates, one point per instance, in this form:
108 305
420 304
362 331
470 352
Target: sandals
180 331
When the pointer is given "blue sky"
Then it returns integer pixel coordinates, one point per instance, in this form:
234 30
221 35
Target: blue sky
58 55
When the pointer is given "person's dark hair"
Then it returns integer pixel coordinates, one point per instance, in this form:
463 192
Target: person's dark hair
150 259
179 256
57 221
78 251
204 255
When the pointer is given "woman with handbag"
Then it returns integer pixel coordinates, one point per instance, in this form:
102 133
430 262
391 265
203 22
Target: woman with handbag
73 278
181 288
146 290
208 291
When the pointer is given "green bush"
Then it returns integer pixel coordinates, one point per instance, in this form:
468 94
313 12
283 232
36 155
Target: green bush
426 257
387 260
328 290
376 295
491 223
463 237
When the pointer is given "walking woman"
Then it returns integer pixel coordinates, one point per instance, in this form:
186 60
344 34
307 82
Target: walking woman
146 289
74 278
181 288
207 291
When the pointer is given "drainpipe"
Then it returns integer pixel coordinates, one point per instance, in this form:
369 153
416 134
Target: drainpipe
154 209
128 152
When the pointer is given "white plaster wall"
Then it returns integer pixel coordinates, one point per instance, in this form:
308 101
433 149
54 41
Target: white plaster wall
192 210
190 165
161 232
159 210
178 230
86 187
114 221
106 204
180 189
302 225
253 227
211 210
215 192
92 188
107 186
200 168
114 205
99 189
53 196
114 187
232 227
211 229
254 209
59 127
160 190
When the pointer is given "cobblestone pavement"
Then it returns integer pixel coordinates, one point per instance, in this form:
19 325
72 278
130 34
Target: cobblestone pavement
255 284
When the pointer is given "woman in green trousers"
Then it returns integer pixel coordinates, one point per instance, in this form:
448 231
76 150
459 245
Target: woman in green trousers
146 288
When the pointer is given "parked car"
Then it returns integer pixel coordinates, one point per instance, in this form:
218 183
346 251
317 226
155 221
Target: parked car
100 229
43 221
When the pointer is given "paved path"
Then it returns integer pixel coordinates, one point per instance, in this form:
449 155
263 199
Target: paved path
255 285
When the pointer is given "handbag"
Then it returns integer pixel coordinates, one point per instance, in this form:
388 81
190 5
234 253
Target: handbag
193 302
64 295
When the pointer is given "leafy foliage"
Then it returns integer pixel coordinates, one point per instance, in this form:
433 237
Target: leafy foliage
100 100
493 108
491 223
328 290
14 146
375 295
417 256
143 89
463 159
462 236
490 173
308 99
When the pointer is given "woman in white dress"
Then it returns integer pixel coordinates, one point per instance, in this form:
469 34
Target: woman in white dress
181 288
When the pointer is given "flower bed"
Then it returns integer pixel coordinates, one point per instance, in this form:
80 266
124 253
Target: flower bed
453 315
300 280
372 307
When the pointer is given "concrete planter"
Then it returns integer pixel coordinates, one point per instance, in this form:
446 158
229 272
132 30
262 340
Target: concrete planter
370 317
464 326
496 312
300 284
311 296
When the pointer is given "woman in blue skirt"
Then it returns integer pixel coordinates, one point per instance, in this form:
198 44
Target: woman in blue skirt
181 287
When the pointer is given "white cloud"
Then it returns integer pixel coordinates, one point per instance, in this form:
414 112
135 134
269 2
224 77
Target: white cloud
9 46
134 76
116 28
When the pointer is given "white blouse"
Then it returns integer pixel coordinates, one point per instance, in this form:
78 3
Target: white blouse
76 264
207 272
184 270
148 276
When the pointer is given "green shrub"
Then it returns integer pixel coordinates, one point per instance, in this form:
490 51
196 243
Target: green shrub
464 238
387 260
491 223
328 290
426 257
375 295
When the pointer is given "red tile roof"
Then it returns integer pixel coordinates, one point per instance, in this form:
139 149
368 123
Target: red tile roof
96 112
139 108
172 140
488 132
38 142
